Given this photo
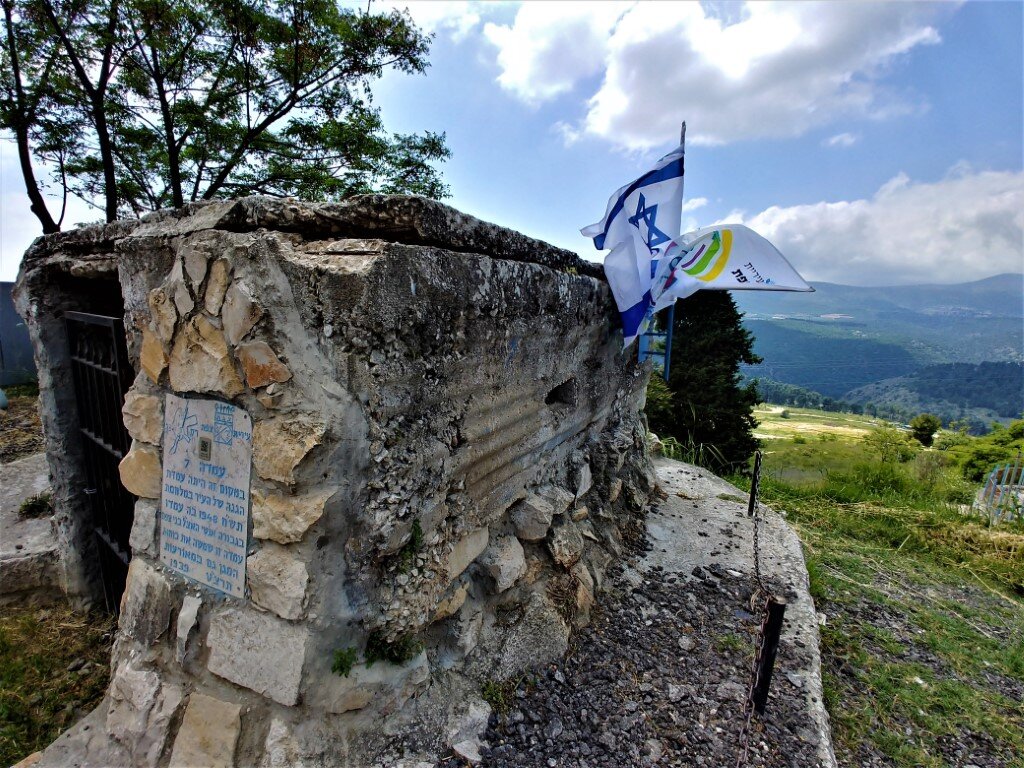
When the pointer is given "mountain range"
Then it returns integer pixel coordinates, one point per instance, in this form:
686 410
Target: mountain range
869 344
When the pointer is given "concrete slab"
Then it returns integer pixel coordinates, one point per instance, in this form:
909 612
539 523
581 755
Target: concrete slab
704 523
28 547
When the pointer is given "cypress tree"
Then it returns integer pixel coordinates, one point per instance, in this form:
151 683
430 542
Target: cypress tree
711 411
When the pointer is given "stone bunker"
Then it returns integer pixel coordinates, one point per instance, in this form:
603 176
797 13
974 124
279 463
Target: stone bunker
335 465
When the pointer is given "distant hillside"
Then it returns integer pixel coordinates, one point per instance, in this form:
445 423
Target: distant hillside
826 362
842 337
988 392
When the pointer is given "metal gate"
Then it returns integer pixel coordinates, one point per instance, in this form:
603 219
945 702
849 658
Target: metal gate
102 375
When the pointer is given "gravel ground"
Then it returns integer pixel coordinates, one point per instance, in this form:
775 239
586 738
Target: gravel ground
21 434
659 677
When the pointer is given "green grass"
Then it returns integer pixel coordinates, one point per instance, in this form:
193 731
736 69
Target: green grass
39 697
903 576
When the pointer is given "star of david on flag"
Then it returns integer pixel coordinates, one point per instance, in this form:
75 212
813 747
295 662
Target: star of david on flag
641 217
651 264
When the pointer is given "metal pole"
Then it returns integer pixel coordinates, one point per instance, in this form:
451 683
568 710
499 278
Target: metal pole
671 319
755 485
776 609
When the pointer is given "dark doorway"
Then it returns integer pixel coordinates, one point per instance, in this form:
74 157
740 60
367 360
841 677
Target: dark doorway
102 374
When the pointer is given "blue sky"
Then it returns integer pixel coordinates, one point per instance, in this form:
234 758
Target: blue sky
872 143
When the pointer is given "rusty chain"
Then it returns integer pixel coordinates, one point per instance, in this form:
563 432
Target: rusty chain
763 593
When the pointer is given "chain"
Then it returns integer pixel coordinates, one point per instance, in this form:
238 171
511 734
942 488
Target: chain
764 593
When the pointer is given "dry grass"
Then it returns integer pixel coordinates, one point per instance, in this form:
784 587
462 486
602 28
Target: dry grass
21 433
54 667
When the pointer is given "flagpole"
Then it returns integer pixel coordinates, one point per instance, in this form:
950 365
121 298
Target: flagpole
671 318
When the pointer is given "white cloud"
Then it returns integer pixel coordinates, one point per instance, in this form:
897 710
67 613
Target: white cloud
551 46
757 70
967 226
694 204
841 140
458 19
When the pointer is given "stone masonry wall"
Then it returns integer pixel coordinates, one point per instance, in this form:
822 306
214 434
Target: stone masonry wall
447 449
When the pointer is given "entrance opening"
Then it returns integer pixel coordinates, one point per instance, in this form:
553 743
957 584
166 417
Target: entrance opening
101 375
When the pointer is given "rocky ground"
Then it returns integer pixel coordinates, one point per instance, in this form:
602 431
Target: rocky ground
661 675
20 431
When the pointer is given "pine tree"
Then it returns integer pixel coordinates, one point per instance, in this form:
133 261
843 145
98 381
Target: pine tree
711 412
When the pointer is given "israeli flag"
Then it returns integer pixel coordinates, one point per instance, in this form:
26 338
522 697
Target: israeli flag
642 219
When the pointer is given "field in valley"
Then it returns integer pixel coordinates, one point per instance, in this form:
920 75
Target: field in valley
922 606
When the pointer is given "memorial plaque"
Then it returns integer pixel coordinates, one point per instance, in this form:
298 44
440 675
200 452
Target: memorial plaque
204 503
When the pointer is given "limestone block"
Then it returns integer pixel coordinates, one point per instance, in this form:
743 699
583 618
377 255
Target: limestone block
200 362
532 516
379 681
451 602
466 550
584 588
565 543
558 497
614 489
143 417
469 629
281 749
188 617
258 651
146 603
277 581
140 711
220 276
195 266
152 357
583 480
133 692
141 472
183 298
208 735
285 519
164 314
280 443
504 562
143 538
260 365
539 636
240 312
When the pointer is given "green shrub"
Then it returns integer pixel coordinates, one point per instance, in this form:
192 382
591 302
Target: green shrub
401 650
659 404
891 445
344 660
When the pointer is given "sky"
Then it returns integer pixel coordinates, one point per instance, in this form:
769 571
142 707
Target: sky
872 143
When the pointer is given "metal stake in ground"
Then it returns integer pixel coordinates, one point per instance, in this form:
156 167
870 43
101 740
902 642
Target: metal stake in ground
771 630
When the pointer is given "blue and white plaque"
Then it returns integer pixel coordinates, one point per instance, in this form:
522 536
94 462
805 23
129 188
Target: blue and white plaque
204 502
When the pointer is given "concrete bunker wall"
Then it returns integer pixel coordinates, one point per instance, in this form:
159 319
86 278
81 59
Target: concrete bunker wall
447 450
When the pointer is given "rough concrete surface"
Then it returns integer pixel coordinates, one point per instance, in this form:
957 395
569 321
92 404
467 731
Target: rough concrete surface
28 548
699 527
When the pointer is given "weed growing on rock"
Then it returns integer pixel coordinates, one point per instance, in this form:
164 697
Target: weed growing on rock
500 694
36 506
730 641
399 651
344 660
